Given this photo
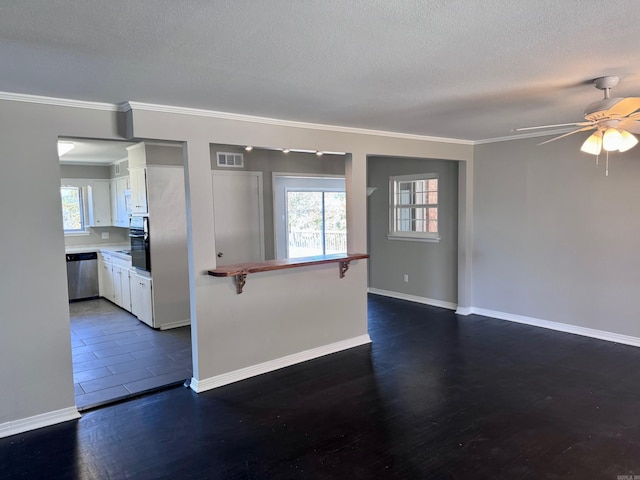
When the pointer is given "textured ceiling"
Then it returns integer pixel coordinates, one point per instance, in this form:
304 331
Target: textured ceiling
458 69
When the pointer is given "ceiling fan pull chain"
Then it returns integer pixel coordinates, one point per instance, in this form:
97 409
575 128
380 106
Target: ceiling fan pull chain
597 157
606 168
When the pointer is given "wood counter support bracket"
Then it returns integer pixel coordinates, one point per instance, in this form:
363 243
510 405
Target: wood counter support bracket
344 266
240 270
241 279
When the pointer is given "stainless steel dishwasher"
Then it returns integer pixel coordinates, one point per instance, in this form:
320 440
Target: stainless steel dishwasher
82 275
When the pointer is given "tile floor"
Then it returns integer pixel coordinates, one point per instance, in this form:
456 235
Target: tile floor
116 356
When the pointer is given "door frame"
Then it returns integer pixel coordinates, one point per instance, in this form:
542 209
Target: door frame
258 175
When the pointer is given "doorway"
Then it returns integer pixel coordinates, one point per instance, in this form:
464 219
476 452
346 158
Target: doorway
115 351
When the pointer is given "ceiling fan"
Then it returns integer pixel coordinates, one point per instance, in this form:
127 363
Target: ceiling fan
614 120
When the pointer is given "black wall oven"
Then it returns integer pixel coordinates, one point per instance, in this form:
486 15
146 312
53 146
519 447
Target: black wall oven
140 249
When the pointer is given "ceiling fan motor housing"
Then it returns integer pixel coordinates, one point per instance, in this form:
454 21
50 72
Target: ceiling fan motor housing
598 110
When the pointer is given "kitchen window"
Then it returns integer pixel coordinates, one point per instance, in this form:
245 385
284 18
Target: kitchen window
72 209
413 208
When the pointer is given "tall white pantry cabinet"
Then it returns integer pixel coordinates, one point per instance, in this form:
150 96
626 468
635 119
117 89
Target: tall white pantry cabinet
158 191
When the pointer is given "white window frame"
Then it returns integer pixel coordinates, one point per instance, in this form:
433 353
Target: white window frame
393 210
83 208
284 182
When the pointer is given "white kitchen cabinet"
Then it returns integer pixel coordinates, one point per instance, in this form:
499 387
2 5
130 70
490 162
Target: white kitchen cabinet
141 299
99 203
105 277
138 180
122 286
120 201
114 279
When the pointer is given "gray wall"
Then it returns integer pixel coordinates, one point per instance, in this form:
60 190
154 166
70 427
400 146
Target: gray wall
279 313
85 171
554 238
35 347
432 267
270 161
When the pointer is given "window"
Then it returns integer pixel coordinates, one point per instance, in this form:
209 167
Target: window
316 223
413 207
310 215
72 209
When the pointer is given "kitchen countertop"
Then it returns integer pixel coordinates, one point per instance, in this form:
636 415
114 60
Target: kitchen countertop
98 248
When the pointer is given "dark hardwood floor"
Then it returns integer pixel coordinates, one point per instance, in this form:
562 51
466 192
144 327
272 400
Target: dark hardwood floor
435 396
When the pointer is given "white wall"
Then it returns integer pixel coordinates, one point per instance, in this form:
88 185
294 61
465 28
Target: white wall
554 239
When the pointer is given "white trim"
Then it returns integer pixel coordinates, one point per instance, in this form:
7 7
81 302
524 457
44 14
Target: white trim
60 102
463 310
278 363
413 298
179 323
129 106
561 327
413 239
284 123
38 421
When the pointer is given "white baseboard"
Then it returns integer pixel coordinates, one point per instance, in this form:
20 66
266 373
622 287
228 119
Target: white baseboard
38 421
561 327
413 298
203 385
464 311
181 323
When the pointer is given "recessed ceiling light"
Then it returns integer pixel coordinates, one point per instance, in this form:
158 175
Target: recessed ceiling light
285 150
65 147
319 153
248 148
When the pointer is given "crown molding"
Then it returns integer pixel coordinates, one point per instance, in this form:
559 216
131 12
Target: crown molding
59 102
131 105
284 123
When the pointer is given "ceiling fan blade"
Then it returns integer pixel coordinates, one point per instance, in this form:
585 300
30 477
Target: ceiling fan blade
573 124
624 107
630 125
590 127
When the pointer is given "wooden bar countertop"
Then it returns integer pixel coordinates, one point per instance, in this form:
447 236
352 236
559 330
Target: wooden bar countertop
268 265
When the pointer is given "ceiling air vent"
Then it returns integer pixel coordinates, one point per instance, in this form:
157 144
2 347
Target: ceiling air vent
226 159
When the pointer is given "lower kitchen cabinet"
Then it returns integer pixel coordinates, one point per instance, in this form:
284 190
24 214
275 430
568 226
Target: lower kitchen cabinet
141 299
105 277
122 285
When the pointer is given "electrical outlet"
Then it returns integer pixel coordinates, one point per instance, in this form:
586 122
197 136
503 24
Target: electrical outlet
405 277
105 236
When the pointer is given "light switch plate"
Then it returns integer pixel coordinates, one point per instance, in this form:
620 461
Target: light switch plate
105 235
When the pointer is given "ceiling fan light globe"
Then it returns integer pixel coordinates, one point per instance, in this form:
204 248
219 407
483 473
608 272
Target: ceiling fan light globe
611 140
593 144
628 141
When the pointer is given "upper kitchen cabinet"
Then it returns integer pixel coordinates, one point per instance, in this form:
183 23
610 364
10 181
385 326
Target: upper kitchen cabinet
120 201
99 203
138 180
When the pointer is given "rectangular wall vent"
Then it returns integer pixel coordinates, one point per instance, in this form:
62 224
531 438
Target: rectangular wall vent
226 159
117 169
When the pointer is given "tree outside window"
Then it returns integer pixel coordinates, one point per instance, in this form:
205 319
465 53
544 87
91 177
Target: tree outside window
72 211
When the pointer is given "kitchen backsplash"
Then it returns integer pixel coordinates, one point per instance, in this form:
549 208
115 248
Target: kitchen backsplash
116 235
